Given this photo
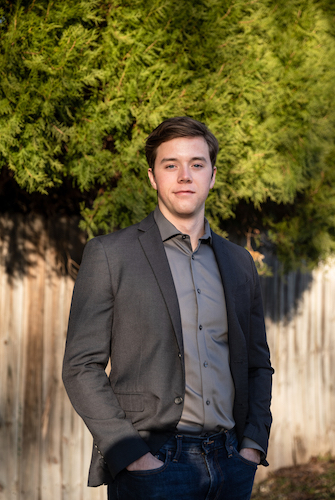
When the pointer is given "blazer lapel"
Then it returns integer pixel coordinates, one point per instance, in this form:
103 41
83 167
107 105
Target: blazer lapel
152 245
230 284
223 259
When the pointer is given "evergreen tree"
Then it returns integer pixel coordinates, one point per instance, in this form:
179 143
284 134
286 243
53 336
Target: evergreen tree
83 83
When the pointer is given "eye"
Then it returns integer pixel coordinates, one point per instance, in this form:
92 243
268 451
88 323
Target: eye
170 166
197 165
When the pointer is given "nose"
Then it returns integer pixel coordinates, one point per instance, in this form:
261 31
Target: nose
185 174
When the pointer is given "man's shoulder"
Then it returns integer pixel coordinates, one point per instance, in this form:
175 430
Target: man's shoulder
126 235
232 248
236 257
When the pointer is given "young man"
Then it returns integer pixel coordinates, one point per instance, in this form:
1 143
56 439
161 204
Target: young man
184 413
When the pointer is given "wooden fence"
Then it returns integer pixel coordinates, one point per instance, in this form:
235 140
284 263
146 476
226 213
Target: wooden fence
300 318
45 448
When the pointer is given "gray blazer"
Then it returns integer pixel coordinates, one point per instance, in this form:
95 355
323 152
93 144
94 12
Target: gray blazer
125 307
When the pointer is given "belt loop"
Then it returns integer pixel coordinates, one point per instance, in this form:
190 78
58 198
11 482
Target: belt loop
179 439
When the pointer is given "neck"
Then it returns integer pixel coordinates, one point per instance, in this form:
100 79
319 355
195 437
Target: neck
193 226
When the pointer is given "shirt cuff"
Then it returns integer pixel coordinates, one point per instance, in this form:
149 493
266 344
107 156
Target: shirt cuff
250 443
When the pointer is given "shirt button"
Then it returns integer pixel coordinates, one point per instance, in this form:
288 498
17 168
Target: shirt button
178 400
179 355
184 236
205 364
198 290
192 257
200 327
208 402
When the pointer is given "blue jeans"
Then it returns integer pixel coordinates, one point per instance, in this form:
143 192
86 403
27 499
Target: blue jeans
195 468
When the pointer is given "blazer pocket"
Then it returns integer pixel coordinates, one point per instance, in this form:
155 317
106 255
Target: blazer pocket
130 402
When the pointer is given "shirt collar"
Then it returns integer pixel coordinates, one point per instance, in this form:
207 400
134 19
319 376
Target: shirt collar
168 230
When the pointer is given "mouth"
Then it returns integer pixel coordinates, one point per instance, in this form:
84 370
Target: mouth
184 192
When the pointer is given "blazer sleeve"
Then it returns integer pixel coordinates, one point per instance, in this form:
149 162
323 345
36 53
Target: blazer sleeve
86 356
260 372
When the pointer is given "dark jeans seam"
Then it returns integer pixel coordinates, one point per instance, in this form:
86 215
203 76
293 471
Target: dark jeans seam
216 461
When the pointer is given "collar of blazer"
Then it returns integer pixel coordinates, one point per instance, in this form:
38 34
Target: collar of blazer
152 245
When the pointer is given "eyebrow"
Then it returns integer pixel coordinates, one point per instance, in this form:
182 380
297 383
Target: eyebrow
195 158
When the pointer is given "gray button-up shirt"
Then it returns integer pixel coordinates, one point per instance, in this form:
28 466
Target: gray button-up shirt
209 395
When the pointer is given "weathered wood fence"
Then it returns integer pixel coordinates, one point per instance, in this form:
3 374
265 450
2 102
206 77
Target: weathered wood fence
300 318
45 448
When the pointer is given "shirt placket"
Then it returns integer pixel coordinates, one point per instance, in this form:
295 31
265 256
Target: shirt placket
204 362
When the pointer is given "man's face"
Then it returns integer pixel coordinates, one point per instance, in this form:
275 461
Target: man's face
182 176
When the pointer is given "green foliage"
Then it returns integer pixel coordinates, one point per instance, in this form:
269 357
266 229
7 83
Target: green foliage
83 83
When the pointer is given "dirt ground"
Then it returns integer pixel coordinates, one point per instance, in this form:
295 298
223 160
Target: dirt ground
314 480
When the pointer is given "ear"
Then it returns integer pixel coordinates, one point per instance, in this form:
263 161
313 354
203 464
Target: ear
213 178
152 178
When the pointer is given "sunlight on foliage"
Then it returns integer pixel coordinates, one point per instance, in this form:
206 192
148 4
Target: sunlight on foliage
83 83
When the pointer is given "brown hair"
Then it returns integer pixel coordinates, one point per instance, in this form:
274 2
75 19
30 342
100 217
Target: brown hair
179 126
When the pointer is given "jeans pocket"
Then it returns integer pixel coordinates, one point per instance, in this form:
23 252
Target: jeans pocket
242 459
152 472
